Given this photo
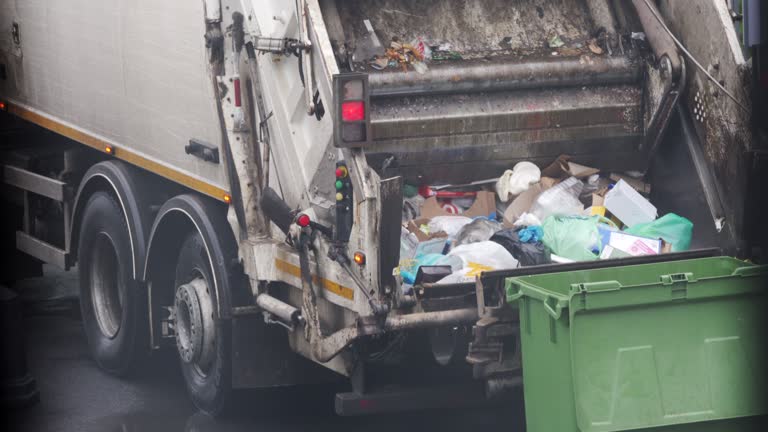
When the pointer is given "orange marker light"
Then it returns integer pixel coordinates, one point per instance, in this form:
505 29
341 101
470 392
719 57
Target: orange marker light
227 198
359 258
2 106
109 150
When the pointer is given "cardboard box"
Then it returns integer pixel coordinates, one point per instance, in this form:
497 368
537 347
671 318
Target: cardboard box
563 167
484 205
634 245
637 184
628 205
609 252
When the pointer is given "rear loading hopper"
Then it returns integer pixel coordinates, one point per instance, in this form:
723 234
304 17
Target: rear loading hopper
524 80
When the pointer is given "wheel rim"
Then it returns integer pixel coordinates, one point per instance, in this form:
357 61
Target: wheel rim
194 325
107 290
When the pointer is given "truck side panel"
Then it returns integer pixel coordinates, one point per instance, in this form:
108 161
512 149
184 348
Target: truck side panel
130 73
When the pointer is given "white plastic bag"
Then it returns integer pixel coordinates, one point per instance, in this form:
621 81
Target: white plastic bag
517 180
450 225
527 219
477 258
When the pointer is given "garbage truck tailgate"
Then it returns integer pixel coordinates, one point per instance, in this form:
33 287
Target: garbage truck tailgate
446 138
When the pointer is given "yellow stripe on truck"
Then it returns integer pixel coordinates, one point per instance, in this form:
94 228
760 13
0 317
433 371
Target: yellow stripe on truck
329 285
118 152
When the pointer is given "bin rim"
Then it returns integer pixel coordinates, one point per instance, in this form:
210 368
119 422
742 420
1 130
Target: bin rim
555 302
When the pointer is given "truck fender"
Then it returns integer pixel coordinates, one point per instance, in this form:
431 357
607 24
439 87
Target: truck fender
178 217
124 182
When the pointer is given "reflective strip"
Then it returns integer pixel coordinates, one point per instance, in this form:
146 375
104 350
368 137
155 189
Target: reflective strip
328 285
118 152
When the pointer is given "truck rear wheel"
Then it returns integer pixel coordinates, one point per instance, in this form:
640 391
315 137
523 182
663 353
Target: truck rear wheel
203 340
112 305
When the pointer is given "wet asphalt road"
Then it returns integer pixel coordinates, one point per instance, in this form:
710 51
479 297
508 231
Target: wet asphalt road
75 396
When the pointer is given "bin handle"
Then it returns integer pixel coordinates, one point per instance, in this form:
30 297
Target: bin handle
751 270
512 285
554 311
677 278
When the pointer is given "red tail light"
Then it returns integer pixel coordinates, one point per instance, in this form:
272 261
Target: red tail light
303 220
353 111
351 120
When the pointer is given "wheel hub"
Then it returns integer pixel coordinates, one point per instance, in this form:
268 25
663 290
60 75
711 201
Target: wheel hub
194 323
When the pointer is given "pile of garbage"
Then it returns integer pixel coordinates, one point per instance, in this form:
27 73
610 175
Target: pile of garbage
565 212
399 54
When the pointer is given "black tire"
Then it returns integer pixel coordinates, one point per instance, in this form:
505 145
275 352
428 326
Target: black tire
209 389
112 304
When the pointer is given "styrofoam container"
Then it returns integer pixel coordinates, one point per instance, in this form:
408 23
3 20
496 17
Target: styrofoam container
628 205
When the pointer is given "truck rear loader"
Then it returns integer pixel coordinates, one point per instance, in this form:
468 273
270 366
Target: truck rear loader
227 177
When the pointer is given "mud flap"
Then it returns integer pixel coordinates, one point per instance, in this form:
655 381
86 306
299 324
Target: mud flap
262 358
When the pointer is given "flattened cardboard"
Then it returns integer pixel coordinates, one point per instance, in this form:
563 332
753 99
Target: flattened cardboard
563 167
525 200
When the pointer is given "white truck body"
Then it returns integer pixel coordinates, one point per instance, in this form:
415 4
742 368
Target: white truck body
121 72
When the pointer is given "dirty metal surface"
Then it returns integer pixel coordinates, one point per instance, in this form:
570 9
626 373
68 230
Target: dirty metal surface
445 138
470 26
706 29
430 116
507 74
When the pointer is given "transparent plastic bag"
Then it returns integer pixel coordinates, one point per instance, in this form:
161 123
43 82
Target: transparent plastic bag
476 231
673 229
408 244
478 258
560 199
410 268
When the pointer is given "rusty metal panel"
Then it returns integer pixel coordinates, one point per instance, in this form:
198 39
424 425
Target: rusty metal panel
723 127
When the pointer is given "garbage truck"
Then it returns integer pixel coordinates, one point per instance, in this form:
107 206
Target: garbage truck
227 177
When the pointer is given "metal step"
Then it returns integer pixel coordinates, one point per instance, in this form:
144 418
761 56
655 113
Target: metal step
35 183
41 250
31 183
